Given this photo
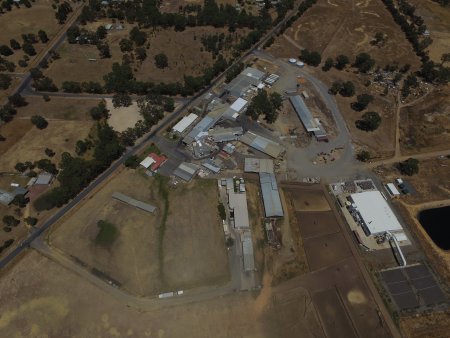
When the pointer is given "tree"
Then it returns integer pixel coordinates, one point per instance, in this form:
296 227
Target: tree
14 44
20 200
363 156
10 221
17 100
328 64
49 152
341 61
161 60
445 58
347 89
101 32
99 112
409 167
362 102
335 87
370 121
31 220
126 45
46 97
139 37
71 87
39 121
5 50
5 81
103 48
20 167
141 54
121 100
310 58
132 162
81 147
266 105
28 49
72 34
43 36
364 62
47 165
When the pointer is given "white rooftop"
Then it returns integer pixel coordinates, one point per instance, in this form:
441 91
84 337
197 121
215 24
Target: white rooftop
392 189
147 162
375 211
239 104
185 122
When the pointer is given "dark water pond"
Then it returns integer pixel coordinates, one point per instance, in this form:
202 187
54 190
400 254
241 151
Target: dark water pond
436 223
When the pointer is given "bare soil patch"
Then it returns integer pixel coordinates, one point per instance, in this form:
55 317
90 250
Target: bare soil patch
60 136
59 108
37 303
325 250
426 325
425 126
317 223
310 200
122 118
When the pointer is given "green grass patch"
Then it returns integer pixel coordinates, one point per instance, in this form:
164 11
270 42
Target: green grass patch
164 193
107 233
152 148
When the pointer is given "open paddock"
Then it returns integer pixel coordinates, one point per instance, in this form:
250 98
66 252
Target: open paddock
60 136
317 223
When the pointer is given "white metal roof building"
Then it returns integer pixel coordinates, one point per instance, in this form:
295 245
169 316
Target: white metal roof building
239 104
392 190
271 195
377 216
238 203
147 162
184 123
44 179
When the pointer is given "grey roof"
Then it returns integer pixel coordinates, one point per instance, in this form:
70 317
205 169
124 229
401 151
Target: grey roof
271 195
206 123
262 144
248 77
20 191
5 197
225 134
247 251
303 113
320 134
186 171
258 165
44 179
211 166
135 203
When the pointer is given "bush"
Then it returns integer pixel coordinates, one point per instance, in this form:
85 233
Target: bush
362 102
409 167
363 156
39 121
222 212
310 58
132 162
370 121
161 60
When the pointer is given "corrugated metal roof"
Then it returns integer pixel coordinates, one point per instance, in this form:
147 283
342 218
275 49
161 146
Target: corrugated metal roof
271 195
211 167
44 179
247 251
303 113
5 197
133 202
239 104
225 134
262 144
186 171
258 165
185 122
147 162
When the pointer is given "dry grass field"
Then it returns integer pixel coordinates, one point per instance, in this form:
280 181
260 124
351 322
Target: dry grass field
192 248
43 299
60 136
425 126
349 31
59 108
437 19
122 118
28 20
13 131
184 50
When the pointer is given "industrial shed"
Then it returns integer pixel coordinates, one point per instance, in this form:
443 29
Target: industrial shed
258 165
185 122
247 252
304 113
376 215
186 171
205 124
262 144
225 134
271 195
135 203
247 78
